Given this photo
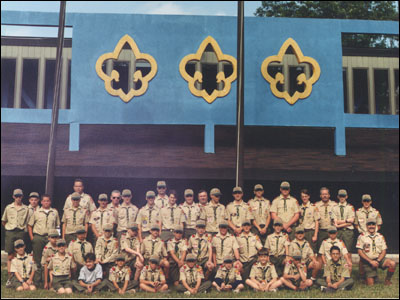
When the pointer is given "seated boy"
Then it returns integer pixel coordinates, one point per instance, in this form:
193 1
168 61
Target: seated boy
228 278
152 278
48 251
295 273
263 276
90 276
119 279
22 268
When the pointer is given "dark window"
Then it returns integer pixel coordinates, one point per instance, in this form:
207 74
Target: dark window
396 90
122 67
144 67
7 82
360 82
209 72
228 70
49 83
190 68
29 83
381 81
293 84
346 108
272 71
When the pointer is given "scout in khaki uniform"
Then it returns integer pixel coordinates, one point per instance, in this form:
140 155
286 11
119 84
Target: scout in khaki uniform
126 213
177 249
366 212
295 273
115 197
287 209
119 278
79 248
23 269
200 246
161 199
48 251
152 278
130 246
86 200
372 247
14 220
249 245
277 244
237 212
32 207
192 212
107 249
225 244
309 219
325 207
214 212
170 216
336 273
228 277
343 217
260 208
61 266
191 277
73 218
263 276
101 216
147 215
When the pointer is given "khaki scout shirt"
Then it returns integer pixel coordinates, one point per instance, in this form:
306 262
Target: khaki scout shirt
86 202
23 265
263 273
200 246
285 208
304 248
126 215
160 202
48 252
291 269
152 275
372 244
309 214
151 247
363 214
31 211
129 242
191 275
228 276
79 249
61 265
15 217
100 217
326 214
42 221
348 213
147 216
171 216
192 213
237 213
328 244
119 275
224 246
215 214
275 243
202 215
260 209
248 246
336 271
74 218
177 246
106 249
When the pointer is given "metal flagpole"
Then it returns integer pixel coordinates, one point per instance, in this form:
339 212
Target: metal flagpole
51 158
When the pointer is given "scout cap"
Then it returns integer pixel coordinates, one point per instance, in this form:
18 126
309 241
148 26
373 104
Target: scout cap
161 184
215 192
155 226
342 193
296 254
332 229
75 196
237 189
278 221
263 251
223 224
34 194
285 185
103 197
133 227
300 229
53 233
366 197
108 227
189 192
120 257
154 259
178 228
191 257
61 242
246 222
126 193
258 187
81 229
200 223
371 220
150 194
18 243
18 192
228 259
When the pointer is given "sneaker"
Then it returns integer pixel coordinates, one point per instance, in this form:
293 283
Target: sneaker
132 291
236 291
274 290
8 283
323 288
187 293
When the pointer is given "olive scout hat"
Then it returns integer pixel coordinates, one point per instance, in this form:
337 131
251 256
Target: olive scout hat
215 192
133 226
120 257
18 243
371 220
75 196
278 221
366 197
237 189
61 242
154 259
18 192
342 193
258 187
126 193
191 257
161 184
285 185
200 223
53 233
246 222
103 197
228 259
155 226
332 229
300 229
150 194
108 227
81 229
223 224
189 192
296 254
34 194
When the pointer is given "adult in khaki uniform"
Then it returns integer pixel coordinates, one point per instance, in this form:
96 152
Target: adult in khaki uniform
324 207
177 249
228 277
126 213
366 212
309 219
130 246
79 248
152 278
14 220
115 197
192 212
73 218
343 217
106 249
48 251
237 212
249 245
120 277
225 244
215 212
86 200
286 208
295 273
171 215
101 216
191 278
372 247
260 208
202 196
277 244
336 273
162 198
147 215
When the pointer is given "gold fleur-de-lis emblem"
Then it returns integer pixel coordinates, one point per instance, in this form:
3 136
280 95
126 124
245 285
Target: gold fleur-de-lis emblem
301 78
198 76
137 76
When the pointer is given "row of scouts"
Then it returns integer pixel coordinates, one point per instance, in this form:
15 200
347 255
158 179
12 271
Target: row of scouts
207 230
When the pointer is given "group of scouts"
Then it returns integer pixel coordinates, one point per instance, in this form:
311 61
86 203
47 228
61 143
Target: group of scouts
191 247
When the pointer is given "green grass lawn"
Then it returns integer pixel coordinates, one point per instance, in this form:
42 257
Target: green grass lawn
359 290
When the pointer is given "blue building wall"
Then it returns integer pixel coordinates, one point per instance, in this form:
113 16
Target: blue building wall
168 100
